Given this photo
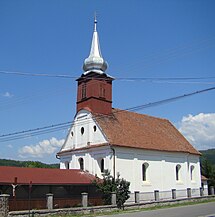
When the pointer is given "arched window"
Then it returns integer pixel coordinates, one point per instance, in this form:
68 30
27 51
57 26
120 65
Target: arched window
67 165
81 163
82 130
191 172
177 172
102 165
84 90
144 171
102 91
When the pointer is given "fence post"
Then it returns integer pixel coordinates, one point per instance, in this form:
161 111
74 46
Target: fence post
137 196
49 201
4 205
156 193
211 190
201 192
173 193
113 198
189 192
84 199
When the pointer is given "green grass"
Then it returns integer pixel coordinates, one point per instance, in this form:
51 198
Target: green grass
140 209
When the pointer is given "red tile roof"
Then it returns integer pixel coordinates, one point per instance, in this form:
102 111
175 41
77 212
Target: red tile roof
42 176
130 129
203 178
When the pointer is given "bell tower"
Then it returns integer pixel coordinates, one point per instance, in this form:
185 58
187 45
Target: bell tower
94 85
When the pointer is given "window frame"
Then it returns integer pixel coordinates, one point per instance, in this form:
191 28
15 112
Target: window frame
145 172
102 165
84 91
177 172
102 91
66 165
81 163
192 168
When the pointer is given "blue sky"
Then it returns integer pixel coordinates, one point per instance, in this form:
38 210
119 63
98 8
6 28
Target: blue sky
139 39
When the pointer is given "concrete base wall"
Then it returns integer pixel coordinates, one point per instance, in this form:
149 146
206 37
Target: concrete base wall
104 209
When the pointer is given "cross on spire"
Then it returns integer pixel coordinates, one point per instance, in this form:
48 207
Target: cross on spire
95 22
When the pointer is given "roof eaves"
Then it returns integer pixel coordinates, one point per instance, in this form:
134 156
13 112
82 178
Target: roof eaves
83 148
153 149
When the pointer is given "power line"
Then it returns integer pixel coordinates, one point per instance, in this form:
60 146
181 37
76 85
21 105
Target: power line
62 126
116 78
155 58
36 74
34 132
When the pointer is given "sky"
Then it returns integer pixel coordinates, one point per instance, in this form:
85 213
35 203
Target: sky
148 44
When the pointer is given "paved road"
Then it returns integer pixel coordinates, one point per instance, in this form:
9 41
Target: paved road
199 210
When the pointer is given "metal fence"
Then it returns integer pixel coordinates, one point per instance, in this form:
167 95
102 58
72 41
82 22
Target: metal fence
181 193
138 197
165 195
147 196
77 200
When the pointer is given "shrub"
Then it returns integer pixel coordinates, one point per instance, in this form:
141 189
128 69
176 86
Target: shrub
108 185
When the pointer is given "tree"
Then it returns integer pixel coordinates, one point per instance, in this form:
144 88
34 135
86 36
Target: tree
208 170
109 185
122 192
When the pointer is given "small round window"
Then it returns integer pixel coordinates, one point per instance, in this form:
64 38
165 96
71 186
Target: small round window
82 130
94 128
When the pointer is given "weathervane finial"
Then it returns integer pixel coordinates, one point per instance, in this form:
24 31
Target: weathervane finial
95 21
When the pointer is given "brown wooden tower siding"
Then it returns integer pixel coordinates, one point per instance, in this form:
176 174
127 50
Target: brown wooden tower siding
95 93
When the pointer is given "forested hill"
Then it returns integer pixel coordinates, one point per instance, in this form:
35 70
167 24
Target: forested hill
32 164
209 155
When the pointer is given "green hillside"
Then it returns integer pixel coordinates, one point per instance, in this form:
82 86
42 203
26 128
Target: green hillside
32 164
208 165
209 155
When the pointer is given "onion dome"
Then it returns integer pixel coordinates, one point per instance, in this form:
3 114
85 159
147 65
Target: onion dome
95 62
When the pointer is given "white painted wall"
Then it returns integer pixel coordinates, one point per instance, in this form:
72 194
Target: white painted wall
161 172
205 187
92 134
92 159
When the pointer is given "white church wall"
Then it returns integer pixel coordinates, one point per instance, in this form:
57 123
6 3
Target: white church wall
83 132
205 187
91 158
161 171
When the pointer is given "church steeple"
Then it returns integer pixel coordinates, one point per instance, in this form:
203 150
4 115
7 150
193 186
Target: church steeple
94 85
95 62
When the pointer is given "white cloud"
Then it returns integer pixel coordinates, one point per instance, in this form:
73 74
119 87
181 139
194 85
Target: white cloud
43 148
7 94
10 146
199 130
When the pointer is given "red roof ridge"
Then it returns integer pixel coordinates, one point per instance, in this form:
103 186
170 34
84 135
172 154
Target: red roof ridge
133 112
203 178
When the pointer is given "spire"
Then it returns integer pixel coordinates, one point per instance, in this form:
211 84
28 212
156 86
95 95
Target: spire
95 62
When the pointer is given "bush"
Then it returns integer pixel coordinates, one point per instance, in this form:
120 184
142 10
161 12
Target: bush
109 185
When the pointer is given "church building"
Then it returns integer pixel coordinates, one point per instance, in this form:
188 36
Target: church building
147 151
